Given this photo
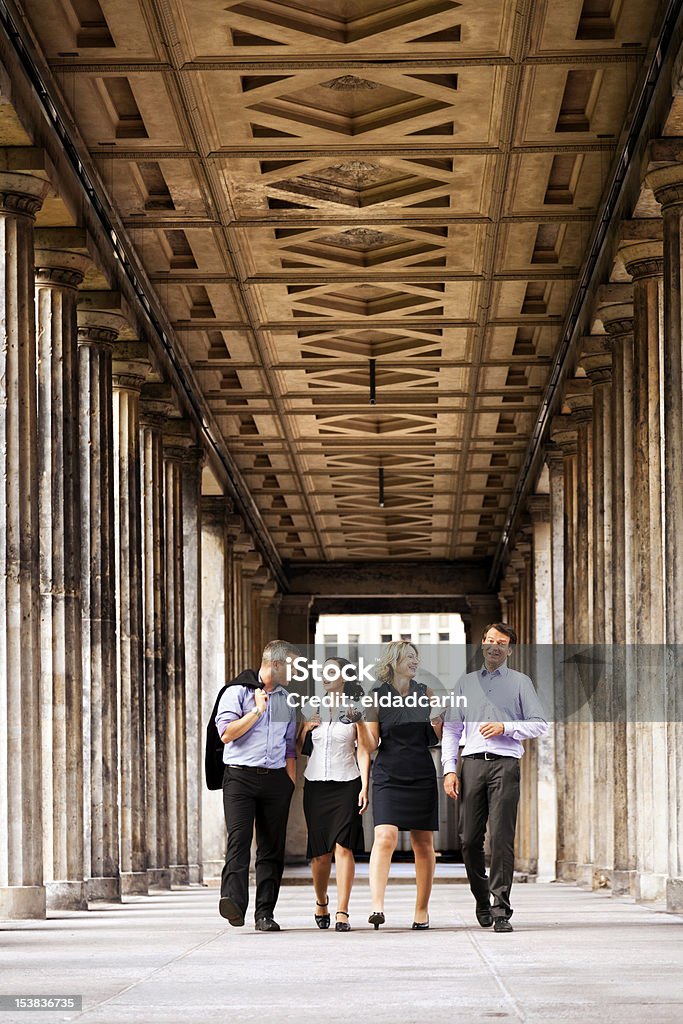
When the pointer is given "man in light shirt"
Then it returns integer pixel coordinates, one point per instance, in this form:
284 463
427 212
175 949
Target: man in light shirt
258 729
502 710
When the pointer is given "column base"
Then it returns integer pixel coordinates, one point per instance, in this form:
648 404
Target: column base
107 890
674 895
180 874
133 883
195 874
66 896
566 870
212 869
623 883
22 901
650 887
159 878
584 876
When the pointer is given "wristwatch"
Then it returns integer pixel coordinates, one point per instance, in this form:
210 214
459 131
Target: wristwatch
255 711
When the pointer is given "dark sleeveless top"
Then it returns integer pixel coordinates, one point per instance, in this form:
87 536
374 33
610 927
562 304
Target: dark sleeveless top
406 734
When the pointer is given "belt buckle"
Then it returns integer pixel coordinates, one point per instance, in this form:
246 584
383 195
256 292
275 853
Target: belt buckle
489 757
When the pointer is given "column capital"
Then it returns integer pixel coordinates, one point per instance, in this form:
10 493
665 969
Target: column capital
60 268
234 526
538 506
644 259
596 358
617 319
667 185
99 327
131 365
553 456
216 508
156 404
22 194
179 438
564 434
579 397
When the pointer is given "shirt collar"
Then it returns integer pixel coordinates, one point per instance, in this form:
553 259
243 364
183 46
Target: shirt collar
276 689
502 671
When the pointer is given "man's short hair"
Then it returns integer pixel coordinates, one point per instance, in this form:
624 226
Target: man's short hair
279 650
502 627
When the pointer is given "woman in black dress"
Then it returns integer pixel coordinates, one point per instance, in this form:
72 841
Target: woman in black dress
404 788
335 791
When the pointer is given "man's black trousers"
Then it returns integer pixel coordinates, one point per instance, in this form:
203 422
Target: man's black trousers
489 791
252 796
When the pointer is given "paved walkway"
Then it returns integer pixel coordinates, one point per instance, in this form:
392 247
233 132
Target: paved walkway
170 958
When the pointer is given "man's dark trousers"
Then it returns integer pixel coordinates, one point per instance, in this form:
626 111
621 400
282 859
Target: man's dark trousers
489 790
261 796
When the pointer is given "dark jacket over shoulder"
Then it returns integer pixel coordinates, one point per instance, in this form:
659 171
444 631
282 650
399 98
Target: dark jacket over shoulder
213 751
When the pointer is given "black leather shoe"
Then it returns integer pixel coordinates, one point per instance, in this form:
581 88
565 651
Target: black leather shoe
376 918
342 926
420 926
484 915
501 924
267 924
228 909
323 920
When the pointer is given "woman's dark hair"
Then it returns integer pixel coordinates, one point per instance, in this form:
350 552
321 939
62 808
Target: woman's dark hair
352 688
502 627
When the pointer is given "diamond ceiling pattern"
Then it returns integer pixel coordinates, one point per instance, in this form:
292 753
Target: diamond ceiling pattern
358 200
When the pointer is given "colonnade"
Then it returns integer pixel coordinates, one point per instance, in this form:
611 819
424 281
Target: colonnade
601 535
102 529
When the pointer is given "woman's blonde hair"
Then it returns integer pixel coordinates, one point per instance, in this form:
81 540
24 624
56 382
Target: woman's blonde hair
385 669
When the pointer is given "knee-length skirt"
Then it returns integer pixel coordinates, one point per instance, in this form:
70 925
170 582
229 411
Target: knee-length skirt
331 812
407 806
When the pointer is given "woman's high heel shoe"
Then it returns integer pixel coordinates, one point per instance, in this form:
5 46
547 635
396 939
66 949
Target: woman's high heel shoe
322 920
420 926
342 926
377 918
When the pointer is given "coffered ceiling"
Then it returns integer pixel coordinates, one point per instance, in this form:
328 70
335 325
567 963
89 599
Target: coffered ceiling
341 196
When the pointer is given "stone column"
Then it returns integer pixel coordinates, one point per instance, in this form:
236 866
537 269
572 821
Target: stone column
596 360
175 447
542 674
579 398
555 464
564 437
667 185
58 275
130 368
645 264
21 717
192 577
216 611
97 331
155 406
618 323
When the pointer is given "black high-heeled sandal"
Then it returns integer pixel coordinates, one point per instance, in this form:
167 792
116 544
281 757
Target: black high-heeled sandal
420 926
322 920
377 918
342 926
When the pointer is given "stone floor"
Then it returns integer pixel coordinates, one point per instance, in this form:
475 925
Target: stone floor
574 956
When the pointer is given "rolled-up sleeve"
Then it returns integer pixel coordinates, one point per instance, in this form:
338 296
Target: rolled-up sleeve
533 721
230 708
450 739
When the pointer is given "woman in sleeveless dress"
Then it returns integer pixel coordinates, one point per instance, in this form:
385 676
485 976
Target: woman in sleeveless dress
404 787
335 792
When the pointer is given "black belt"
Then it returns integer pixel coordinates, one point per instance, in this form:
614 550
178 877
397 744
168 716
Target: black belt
485 756
254 769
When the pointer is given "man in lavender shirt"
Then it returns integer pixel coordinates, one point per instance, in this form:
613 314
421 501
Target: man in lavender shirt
258 728
489 784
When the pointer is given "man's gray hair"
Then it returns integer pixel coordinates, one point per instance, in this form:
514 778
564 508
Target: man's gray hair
279 650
